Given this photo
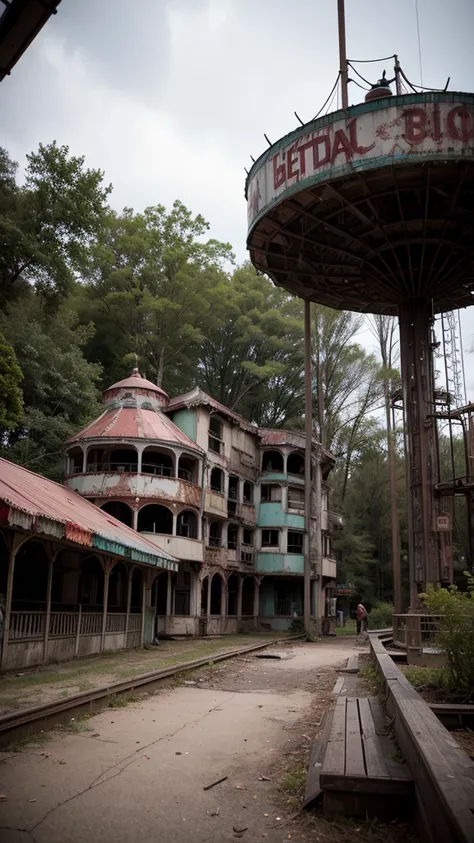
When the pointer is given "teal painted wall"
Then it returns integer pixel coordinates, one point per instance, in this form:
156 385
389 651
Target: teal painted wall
186 421
272 475
276 563
272 515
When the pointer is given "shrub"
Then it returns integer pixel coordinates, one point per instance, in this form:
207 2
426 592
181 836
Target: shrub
380 617
455 636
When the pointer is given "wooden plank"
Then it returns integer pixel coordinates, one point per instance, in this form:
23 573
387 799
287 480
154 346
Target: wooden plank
373 756
352 665
338 727
367 724
378 716
354 754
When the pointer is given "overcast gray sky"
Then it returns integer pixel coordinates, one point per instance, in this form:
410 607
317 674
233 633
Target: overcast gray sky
171 97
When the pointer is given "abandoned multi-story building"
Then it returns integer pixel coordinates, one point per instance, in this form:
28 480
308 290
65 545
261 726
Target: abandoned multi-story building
222 496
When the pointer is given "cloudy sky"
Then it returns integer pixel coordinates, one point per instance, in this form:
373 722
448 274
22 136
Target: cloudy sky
171 97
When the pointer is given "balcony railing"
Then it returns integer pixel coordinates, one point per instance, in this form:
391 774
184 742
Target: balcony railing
28 626
119 467
413 631
159 470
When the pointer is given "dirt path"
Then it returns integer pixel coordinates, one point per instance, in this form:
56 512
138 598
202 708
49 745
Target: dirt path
139 772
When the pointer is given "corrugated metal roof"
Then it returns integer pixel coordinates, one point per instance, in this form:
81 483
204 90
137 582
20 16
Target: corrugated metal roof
37 503
135 423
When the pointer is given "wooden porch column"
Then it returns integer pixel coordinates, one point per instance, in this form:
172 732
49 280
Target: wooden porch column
144 596
256 599
108 565
129 599
14 543
208 607
240 583
52 558
169 595
224 594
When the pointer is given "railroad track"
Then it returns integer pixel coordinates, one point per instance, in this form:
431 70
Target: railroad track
29 721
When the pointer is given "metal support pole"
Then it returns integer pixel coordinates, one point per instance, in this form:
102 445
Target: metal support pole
47 619
341 21
397 583
308 411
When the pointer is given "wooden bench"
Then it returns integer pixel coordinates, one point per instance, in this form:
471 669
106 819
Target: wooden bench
360 776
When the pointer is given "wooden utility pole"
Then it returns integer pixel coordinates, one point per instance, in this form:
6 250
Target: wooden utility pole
341 21
308 414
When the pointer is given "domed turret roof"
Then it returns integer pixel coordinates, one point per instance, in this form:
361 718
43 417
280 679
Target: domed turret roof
135 381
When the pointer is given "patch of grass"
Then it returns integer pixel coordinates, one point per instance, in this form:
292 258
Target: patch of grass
295 781
426 677
349 629
122 700
29 740
371 678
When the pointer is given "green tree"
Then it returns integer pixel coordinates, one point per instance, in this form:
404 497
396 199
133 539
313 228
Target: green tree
11 397
47 225
251 355
152 292
59 385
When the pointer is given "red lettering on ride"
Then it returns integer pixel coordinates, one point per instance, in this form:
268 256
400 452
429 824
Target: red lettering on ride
412 125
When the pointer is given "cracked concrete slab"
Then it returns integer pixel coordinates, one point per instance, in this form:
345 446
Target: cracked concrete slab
139 772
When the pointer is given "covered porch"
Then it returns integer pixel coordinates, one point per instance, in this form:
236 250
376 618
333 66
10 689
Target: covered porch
71 587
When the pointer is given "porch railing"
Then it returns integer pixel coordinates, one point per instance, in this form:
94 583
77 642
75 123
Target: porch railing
31 625
413 631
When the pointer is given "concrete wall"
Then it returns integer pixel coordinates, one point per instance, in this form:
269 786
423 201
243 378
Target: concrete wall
144 486
178 546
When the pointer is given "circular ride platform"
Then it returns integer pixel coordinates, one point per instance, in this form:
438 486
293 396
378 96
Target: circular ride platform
371 208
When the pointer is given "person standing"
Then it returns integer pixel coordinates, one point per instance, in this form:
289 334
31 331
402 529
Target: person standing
361 618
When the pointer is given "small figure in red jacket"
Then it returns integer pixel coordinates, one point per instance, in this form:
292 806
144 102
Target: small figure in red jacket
361 617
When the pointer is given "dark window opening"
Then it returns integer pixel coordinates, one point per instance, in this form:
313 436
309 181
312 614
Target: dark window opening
270 493
119 510
188 469
295 464
270 538
295 542
155 519
295 497
232 496
215 534
248 492
216 594
187 525
217 480
248 591
232 588
215 435
272 461
232 535
248 537
327 546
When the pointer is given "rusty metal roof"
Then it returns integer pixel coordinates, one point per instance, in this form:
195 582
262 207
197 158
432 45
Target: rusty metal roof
292 438
20 23
35 504
197 398
135 423
136 381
